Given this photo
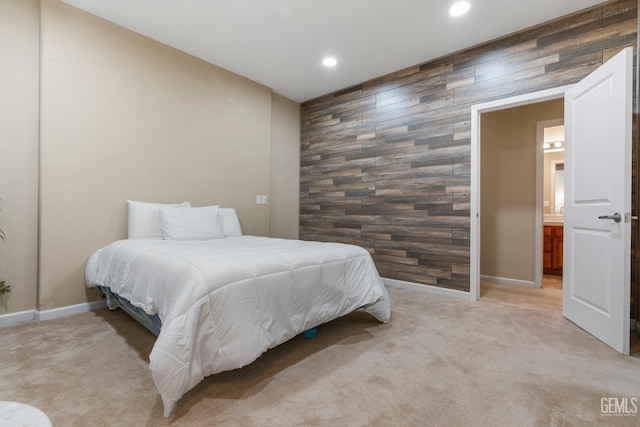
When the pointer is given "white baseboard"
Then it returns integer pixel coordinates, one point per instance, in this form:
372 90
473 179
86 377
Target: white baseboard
429 289
506 281
69 310
13 319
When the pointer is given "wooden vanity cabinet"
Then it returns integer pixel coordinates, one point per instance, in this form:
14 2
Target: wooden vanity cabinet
552 260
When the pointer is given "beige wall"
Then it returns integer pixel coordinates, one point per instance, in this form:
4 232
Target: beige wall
121 117
508 202
285 168
19 53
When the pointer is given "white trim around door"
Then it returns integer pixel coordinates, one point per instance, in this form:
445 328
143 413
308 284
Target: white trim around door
476 111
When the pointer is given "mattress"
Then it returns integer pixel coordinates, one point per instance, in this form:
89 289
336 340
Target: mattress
224 302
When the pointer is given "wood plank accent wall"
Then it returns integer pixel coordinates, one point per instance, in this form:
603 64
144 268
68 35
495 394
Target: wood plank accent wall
386 164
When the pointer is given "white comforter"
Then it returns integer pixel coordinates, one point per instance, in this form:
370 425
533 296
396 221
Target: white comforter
224 302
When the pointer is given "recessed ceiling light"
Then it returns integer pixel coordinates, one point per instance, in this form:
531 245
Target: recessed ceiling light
459 8
329 62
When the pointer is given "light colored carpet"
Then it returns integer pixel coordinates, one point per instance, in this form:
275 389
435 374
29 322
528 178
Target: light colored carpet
440 362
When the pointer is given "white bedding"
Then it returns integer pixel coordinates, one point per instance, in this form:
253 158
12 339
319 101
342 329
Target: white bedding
224 302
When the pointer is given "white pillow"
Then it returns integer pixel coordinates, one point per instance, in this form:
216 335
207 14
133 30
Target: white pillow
230 222
144 219
187 223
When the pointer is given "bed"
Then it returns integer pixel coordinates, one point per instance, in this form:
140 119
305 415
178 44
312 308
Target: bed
220 302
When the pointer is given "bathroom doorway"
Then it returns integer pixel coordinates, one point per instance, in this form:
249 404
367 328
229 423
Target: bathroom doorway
550 137
513 197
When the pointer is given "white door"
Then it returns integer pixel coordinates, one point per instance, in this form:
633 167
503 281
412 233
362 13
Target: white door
597 227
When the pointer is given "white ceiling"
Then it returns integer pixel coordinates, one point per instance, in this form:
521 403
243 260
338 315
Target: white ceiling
280 43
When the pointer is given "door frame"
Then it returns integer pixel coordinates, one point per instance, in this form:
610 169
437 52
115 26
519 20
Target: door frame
476 111
540 179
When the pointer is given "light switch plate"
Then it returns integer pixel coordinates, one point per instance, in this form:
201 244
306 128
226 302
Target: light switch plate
264 199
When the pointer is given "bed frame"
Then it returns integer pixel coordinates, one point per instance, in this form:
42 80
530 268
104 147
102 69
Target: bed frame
150 321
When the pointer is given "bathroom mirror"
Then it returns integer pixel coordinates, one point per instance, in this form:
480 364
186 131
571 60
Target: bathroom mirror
557 188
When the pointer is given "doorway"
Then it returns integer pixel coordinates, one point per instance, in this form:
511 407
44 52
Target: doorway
476 111
513 193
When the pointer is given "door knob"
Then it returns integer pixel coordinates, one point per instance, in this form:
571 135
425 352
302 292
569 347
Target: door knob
616 217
